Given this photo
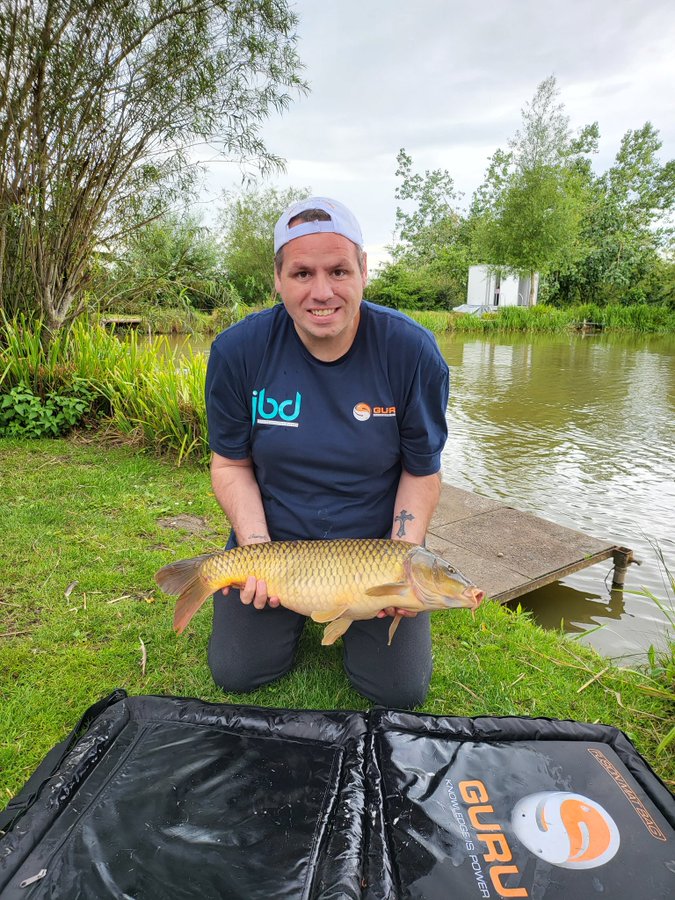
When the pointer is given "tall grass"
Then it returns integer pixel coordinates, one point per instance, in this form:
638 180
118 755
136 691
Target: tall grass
138 389
660 668
544 319
151 398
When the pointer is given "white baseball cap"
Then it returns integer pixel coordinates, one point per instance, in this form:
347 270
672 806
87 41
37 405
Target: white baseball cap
342 221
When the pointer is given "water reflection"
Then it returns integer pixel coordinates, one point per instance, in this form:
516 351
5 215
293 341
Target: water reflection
582 610
580 431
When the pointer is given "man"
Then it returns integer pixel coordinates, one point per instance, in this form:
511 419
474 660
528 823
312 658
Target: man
326 420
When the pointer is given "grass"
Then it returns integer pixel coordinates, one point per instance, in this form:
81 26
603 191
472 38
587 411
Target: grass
661 658
542 319
84 528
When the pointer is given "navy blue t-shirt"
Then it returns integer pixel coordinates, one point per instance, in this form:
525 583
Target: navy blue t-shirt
328 439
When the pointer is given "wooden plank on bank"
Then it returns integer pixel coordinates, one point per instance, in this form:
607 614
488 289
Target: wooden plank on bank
507 552
122 320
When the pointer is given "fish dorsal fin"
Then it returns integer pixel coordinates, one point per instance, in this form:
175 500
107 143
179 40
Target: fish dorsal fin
334 630
395 589
328 615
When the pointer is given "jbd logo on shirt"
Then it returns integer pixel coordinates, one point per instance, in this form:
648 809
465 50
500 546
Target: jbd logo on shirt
268 411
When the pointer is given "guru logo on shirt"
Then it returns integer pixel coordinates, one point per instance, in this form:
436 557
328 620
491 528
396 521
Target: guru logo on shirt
268 411
363 411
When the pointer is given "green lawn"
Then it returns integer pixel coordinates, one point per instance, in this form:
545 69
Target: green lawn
82 535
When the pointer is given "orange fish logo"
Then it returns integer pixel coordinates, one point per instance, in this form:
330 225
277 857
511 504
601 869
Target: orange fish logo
362 412
566 829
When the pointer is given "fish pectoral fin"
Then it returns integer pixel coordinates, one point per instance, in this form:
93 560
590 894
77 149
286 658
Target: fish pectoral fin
328 616
334 630
393 627
396 589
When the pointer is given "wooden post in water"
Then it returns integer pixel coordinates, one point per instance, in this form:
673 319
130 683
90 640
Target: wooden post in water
623 557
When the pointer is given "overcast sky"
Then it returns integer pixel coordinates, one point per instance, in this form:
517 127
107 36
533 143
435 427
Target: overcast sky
447 79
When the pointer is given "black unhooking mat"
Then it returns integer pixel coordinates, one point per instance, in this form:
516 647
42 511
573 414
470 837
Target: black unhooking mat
163 797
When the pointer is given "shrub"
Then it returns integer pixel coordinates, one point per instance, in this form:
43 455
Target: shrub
404 287
25 414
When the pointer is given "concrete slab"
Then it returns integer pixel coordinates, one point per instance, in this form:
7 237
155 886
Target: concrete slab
456 504
507 552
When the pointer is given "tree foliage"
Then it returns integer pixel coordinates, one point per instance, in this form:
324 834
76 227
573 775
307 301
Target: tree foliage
100 103
528 213
169 262
425 229
625 229
603 238
430 255
248 221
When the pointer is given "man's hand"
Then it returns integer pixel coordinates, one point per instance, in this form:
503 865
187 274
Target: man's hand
394 611
255 592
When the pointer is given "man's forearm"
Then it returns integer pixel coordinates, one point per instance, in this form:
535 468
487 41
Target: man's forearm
237 492
416 499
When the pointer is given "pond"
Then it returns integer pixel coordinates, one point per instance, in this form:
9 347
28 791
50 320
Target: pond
579 430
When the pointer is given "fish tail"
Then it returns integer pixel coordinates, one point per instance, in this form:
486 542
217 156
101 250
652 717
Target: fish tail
184 580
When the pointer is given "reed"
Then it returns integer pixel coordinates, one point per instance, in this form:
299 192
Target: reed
26 358
138 389
437 321
660 667
542 319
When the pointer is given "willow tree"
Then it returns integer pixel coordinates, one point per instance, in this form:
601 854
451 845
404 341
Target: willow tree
101 105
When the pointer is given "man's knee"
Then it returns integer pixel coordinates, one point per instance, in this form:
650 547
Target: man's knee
232 679
249 648
396 695
240 677
396 676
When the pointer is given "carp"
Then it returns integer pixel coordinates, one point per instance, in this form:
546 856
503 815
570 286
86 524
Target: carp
332 581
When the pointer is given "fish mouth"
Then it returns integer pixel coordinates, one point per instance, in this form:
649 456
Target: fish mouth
474 596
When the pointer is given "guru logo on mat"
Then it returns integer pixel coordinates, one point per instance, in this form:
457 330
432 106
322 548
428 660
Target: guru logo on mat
566 829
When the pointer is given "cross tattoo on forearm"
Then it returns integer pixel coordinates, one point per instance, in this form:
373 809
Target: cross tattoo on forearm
402 518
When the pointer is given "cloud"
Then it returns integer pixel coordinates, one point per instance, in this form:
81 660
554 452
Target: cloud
447 80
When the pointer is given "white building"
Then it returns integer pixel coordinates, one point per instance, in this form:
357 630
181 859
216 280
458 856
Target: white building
490 288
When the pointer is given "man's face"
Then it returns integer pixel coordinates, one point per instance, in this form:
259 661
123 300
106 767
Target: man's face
322 285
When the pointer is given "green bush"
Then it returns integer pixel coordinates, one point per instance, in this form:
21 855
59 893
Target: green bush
171 263
247 223
25 414
424 287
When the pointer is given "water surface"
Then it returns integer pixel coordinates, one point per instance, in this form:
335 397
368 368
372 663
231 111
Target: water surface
579 430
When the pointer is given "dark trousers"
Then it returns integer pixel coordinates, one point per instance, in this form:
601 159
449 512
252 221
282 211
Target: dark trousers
250 647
